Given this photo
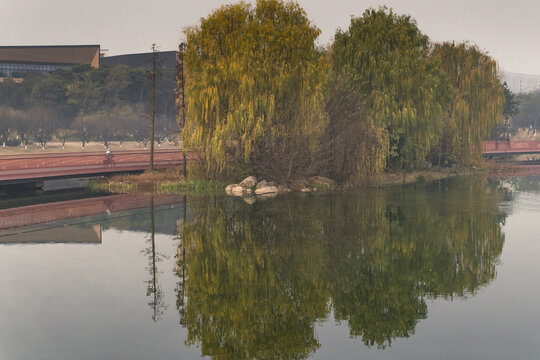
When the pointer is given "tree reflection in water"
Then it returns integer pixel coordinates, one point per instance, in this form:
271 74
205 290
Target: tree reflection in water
259 277
153 288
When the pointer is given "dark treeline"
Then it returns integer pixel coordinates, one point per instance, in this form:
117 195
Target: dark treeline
86 104
528 118
263 98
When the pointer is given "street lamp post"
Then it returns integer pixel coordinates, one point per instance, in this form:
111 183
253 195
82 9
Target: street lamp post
181 98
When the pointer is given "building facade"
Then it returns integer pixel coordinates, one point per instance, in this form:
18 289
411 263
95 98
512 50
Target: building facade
17 61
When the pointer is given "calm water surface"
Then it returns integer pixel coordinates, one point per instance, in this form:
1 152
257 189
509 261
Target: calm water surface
443 271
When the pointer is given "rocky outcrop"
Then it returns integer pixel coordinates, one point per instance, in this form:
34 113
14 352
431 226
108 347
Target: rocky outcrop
241 191
266 189
264 183
244 188
229 188
237 190
249 182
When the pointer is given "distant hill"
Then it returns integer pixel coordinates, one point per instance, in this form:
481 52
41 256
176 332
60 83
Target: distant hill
522 83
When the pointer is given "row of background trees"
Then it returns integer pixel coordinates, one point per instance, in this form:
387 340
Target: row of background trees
528 117
262 97
89 104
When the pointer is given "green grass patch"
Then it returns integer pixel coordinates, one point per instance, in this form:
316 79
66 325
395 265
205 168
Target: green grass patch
113 187
160 187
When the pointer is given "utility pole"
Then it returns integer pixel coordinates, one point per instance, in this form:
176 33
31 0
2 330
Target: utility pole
181 103
154 63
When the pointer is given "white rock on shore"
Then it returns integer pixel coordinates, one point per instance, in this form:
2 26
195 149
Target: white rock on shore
249 182
228 189
266 190
250 185
237 190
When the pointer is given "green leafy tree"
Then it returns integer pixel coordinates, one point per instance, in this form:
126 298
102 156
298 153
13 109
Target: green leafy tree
511 104
254 86
116 86
477 100
405 91
510 109
529 112
137 90
13 95
50 92
85 91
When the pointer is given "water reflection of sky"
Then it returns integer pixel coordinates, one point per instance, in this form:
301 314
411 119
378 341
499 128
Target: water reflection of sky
87 302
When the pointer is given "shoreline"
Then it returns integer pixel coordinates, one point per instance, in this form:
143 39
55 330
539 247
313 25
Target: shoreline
170 181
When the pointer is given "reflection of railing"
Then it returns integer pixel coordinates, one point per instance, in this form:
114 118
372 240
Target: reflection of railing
43 213
63 235
39 166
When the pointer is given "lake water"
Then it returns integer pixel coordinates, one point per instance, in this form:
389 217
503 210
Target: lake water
447 270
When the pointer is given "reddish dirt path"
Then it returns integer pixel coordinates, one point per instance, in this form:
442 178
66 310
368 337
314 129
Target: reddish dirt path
39 166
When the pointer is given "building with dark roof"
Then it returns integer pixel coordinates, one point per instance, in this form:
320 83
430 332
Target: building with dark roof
166 59
16 61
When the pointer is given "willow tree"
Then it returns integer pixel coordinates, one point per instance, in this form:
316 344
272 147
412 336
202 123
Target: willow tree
356 146
254 80
406 92
477 99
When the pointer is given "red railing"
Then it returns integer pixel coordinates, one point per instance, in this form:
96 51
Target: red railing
513 147
38 166
43 213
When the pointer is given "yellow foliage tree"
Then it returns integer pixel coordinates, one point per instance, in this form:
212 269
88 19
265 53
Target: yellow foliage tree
405 92
253 78
477 99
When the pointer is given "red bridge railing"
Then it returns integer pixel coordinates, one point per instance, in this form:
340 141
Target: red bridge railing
39 166
513 147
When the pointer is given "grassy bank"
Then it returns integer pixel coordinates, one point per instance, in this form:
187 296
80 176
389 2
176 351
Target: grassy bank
168 181
420 176
171 181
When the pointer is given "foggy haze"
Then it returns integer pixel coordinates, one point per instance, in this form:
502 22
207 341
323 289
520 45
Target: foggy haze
506 30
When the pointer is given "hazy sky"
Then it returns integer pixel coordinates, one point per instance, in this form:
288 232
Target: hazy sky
508 30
